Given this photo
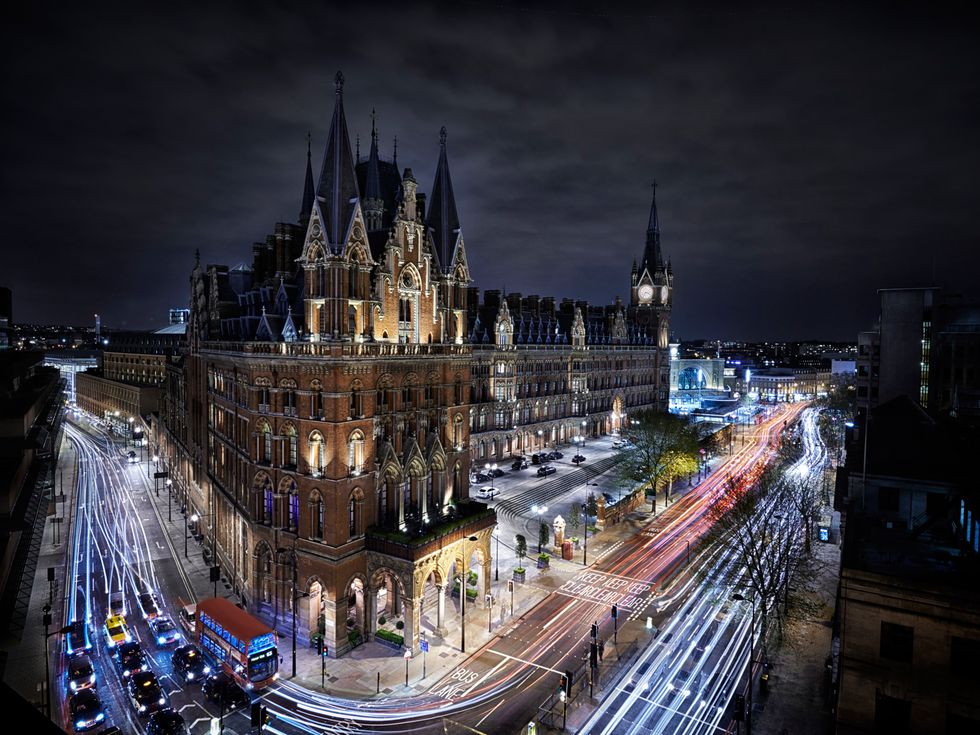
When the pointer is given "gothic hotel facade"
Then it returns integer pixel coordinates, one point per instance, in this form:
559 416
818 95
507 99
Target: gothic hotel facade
330 400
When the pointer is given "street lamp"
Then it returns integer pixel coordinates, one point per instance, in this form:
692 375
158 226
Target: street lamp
496 573
131 438
491 470
583 434
47 666
170 499
214 544
539 510
540 439
462 599
296 596
585 507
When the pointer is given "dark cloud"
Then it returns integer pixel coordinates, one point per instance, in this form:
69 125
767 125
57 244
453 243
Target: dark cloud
805 157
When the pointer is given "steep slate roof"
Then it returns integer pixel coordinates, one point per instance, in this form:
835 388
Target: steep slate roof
442 218
309 188
337 189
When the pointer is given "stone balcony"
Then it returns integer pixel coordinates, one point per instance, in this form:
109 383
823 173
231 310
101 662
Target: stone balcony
413 545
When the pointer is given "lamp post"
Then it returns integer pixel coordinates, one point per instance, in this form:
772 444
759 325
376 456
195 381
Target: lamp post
170 499
214 544
491 469
489 600
540 439
46 620
496 571
751 600
583 435
539 510
585 508
462 599
296 596
131 438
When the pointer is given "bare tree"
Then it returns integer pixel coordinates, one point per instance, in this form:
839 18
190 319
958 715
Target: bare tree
664 446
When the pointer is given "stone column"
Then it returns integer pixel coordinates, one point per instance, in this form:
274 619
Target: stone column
487 577
441 610
370 612
412 610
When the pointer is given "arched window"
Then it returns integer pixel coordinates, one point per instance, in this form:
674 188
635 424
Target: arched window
457 482
355 453
383 502
264 448
268 504
316 516
317 457
290 448
354 522
458 432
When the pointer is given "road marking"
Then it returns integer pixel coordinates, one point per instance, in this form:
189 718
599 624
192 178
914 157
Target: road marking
480 722
529 663
554 619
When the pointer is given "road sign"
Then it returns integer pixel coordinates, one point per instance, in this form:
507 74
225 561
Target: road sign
531 728
424 645
215 726
159 475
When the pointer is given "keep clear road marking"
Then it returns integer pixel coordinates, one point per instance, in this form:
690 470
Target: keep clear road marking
462 681
609 589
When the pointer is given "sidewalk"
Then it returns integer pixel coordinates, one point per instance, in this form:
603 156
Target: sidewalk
796 703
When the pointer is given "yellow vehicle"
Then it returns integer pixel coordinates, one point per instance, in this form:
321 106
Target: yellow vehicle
116 631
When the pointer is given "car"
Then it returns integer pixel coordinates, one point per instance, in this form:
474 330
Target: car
164 631
535 459
133 459
519 464
487 493
545 470
558 455
189 663
78 639
617 445
148 604
86 710
130 659
166 722
187 615
482 477
497 472
145 693
219 687
578 458
116 631
80 673
117 604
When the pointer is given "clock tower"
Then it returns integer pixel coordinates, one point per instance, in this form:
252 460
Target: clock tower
652 283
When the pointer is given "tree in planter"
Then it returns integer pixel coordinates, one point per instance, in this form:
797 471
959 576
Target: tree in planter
591 509
520 548
542 536
664 446
575 518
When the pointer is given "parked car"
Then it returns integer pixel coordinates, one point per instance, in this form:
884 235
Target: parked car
166 722
78 639
558 455
535 459
86 710
487 493
133 458
80 673
519 464
130 659
189 663
220 687
545 470
578 458
148 604
145 693
497 472
482 477
164 631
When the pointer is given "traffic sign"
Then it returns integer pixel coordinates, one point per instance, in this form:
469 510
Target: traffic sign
424 645
159 475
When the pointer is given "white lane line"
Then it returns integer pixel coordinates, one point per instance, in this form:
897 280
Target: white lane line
555 619
529 663
489 713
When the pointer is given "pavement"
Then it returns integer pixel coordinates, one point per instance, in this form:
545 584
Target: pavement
797 700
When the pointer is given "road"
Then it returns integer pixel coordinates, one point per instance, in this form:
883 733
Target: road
118 543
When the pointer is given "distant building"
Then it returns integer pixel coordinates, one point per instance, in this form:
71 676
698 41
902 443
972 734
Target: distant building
6 318
180 316
926 345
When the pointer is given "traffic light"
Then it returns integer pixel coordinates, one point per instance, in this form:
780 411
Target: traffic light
562 686
266 717
594 655
615 612
739 713
568 682
256 713
319 645
595 630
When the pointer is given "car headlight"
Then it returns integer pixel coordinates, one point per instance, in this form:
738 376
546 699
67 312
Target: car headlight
161 640
99 717
162 700
128 638
190 675
73 685
80 724
144 667
207 669
142 708
126 672
92 678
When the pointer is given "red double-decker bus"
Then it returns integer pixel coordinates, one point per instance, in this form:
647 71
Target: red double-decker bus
242 645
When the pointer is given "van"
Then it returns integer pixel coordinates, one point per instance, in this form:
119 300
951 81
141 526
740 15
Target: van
187 616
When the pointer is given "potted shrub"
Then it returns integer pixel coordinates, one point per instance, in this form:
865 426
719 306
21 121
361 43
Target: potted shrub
543 560
354 638
382 620
400 625
520 548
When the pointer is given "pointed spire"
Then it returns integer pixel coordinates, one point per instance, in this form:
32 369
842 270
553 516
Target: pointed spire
357 148
197 257
442 218
652 257
337 187
372 184
394 154
309 188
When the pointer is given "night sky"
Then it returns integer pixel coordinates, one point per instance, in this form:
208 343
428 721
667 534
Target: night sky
805 156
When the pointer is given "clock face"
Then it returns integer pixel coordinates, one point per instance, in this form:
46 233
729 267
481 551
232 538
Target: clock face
645 292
